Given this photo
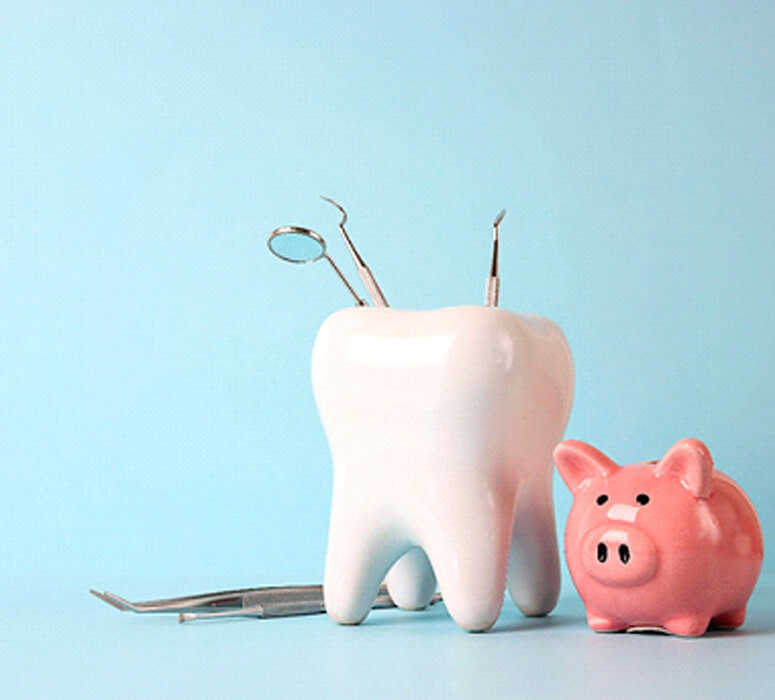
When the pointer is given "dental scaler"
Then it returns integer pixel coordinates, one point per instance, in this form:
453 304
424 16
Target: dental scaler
493 281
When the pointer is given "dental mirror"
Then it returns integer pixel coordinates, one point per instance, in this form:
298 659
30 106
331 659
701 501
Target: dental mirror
299 245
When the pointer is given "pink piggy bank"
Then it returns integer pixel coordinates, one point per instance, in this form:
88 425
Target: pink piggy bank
670 544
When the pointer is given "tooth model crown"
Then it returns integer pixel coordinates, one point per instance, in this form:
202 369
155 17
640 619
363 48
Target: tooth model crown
441 426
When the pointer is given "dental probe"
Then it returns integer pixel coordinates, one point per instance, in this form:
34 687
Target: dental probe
493 281
375 293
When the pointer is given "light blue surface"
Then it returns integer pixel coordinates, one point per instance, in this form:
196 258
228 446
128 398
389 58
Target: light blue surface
156 416
60 642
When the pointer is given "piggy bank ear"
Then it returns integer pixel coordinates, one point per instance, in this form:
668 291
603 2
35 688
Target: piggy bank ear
689 460
578 462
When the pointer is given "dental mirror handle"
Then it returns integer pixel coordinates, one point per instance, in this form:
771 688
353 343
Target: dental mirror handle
358 300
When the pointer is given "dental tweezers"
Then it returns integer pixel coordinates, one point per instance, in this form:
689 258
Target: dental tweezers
263 602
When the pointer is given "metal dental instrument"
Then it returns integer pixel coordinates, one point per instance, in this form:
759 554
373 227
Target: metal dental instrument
299 245
493 281
232 600
375 293
289 608
263 602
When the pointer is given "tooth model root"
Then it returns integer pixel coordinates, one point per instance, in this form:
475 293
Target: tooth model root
469 556
534 564
411 582
360 553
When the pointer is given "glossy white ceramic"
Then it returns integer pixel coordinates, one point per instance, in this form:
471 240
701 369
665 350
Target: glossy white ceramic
441 426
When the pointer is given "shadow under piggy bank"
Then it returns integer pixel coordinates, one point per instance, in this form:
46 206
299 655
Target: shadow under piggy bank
441 426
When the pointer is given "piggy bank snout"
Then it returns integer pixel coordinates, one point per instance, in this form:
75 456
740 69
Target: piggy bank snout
616 554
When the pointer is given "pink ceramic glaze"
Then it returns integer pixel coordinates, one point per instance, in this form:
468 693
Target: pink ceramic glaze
671 544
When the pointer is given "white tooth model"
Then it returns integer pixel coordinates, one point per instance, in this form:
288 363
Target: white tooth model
441 426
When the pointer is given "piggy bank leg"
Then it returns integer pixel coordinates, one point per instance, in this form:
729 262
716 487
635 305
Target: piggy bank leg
688 625
470 556
729 620
411 582
603 623
534 562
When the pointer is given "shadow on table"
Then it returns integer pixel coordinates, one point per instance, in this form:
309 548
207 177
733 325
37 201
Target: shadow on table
758 624
509 621
525 624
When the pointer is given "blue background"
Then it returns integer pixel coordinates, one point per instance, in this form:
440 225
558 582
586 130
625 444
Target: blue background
156 414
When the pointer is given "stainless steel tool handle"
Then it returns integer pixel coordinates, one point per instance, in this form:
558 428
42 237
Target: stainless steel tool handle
492 291
372 288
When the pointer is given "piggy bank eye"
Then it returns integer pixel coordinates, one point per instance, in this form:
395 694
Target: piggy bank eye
602 498
642 499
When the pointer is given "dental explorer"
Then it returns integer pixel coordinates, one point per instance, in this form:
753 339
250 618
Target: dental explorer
493 281
375 293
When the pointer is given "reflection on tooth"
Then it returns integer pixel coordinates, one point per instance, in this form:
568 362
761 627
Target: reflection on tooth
441 426
403 352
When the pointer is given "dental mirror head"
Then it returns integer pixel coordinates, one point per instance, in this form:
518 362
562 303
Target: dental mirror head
296 244
299 245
